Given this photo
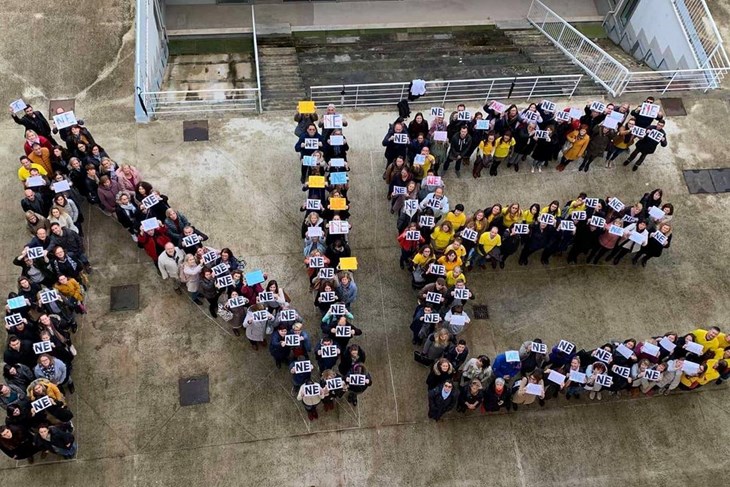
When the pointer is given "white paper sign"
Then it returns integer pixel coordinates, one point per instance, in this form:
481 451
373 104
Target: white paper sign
469 234
625 351
150 224
616 204
426 221
598 106
534 389
566 347
35 181
538 347
616 230
410 207
337 140
292 340
223 281
655 135
49 296
357 379
440 136
35 252
497 107
333 121
576 113
413 235
288 315
602 355
260 316
462 293
512 356
334 383
311 144
616 115
338 227
649 110
326 273
338 309
220 269
419 160
464 116
343 331
650 349
311 389
578 377
432 297
629 219
591 202
690 368
530 116
667 344
265 297
694 348
656 213
659 237
41 403
482 125
431 318
309 161
337 162
578 215
65 119
18 105
400 138
316 262
556 377
329 351
624 372
210 256
547 106
652 375
302 367
437 269
542 134
237 302
437 112
191 240
597 221
327 297
547 219
457 320
604 380
638 132
61 186
562 116
42 347
434 181
567 225
151 200
14 319
521 229
610 123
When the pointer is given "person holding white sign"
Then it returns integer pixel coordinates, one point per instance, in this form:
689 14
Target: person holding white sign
592 372
488 248
636 237
600 138
577 144
33 120
606 241
520 393
621 143
644 117
544 149
357 384
256 329
525 142
311 394
654 247
326 378
459 150
392 148
334 150
309 142
648 145
541 237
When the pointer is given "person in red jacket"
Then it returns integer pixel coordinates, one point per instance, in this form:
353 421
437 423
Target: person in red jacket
153 241
408 248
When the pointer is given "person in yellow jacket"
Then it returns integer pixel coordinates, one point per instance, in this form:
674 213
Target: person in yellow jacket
578 140
553 208
26 166
484 155
487 248
70 288
511 215
503 149
621 142
709 372
531 214
707 338
457 247
452 277
450 260
457 218
441 237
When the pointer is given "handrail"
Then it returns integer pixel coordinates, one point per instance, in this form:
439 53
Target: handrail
508 78
690 39
218 90
256 58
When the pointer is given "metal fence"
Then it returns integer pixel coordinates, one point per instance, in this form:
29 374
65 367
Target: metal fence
600 65
172 102
440 92
677 80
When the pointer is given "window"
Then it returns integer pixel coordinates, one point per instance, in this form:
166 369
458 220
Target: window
627 11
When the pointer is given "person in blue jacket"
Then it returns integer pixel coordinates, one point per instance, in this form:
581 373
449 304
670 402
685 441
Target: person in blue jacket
506 370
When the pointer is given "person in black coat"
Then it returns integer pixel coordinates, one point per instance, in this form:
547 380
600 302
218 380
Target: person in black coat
302 150
35 202
647 145
471 397
57 439
392 149
128 213
540 238
525 142
586 235
457 354
350 357
642 120
355 390
19 351
18 374
17 442
36 121
653 247
441 400
497 396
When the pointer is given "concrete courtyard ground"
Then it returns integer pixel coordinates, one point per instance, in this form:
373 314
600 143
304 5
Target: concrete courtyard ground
241 187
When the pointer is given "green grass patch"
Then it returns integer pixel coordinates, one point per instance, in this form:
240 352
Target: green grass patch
211 46
592 30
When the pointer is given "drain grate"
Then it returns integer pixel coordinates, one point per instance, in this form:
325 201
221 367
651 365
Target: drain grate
195 130
673 107
707 181
194 390
124 298
481 311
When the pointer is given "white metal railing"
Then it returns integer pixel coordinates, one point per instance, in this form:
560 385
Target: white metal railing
442 91
676 80
171 102
256 58
600 65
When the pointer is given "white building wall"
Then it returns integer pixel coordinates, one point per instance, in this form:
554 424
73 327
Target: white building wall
654 35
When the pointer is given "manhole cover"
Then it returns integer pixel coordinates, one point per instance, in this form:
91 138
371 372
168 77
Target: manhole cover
673 107
699 181
67 105
194 390
195 130
124 298
720 179
481 312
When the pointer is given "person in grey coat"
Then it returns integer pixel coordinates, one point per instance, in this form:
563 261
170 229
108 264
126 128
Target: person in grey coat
50 368
10 394
441 400
347 289
169 263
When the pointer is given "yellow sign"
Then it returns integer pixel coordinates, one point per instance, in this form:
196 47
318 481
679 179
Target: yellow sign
348 263
316 181
338 204
306 106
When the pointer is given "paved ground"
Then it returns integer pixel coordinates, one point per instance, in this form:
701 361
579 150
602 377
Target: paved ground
241 187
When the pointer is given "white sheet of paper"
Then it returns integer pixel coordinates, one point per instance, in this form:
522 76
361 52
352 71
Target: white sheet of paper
469 234
625 351
334 383
314 232
548 106
342 331
616 230
597 221
35 252
638 132
311 144
578 377
534 389
18 105
566 347
616 115
598 106
667 344
578 215
464 116
652 375
556 377
61 186
65 119
437 112
512 355
150 224
333 121
462 294
694 348
562 116
591 202
567 225
659 237
419 160
336 140
624 372
690 368
400 138
655 135
458 320
482 125
616 204
656 213
547 219
576 113
337 162
329 351
538 347
431 318
649 110
637 238
42 347
309 161
410 207
35 181
440 135
610 123
521 229
497 106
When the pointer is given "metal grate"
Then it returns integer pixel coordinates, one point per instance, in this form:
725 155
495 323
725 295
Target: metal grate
481 312
194 390
673 107
195 130
707 181
124 298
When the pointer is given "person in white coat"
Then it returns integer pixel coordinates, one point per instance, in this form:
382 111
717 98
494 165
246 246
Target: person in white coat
169 264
